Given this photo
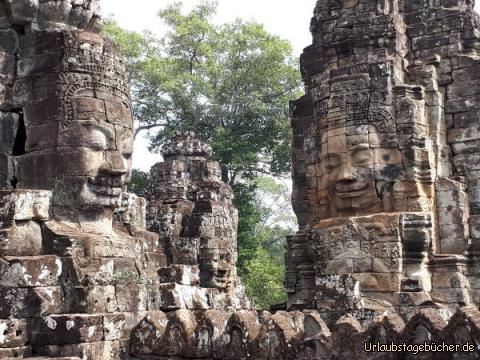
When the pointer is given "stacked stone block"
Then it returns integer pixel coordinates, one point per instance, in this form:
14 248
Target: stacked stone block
191 209
74 277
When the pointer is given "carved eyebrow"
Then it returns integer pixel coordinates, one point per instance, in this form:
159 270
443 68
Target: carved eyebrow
109 133
360 147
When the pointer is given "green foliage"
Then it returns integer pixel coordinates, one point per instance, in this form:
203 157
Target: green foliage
136 47
266 220
264 280
249 217
141 183
229 83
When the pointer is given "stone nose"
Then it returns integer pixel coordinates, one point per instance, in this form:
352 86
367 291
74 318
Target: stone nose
114 164
347 173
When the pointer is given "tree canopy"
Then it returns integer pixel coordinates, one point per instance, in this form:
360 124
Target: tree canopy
229 83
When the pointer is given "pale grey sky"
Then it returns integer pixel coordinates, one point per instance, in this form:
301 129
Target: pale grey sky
289 19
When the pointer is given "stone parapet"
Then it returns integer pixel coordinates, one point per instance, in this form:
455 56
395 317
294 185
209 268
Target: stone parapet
220 335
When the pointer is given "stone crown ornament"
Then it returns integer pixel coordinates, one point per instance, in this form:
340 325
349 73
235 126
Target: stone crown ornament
186 144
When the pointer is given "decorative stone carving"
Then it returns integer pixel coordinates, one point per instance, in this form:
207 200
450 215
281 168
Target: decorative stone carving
295 335
51 14
77 266
385 202
385 190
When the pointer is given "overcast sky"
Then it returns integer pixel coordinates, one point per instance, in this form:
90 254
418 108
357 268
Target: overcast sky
289 19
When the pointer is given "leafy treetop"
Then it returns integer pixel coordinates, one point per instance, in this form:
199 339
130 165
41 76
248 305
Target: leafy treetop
230 83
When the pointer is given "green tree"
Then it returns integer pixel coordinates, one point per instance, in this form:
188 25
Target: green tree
229 83
264 282
261 264
140 183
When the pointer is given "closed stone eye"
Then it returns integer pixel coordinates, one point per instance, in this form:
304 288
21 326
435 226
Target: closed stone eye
362 156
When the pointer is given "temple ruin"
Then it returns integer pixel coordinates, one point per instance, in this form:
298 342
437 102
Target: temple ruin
385 151
386 188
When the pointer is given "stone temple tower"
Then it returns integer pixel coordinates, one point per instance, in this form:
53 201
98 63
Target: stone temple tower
70 277
191 208
385 159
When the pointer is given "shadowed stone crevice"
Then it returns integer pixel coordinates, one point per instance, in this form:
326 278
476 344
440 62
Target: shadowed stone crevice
21 135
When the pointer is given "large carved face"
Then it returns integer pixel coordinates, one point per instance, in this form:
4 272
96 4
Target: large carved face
100 149
349 169
352 158
90 162
79 127
215 268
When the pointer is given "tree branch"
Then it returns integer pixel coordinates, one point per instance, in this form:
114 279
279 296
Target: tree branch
146 127
233 177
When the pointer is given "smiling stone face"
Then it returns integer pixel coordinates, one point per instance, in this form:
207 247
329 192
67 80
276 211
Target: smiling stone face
350 158
104 162
349 170
215 269
104 149
79 128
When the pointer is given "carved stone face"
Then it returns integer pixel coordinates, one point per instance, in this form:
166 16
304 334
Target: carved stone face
102 161
350 156
89 163
79 136
349 165
215 269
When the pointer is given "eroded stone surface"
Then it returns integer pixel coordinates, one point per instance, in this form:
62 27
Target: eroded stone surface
191 209
384 160
73 276
292 335
51 14
386 177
